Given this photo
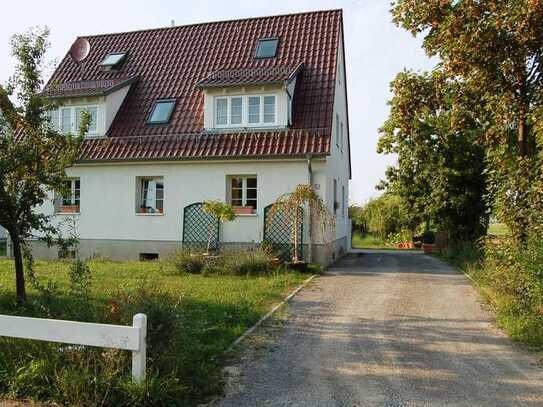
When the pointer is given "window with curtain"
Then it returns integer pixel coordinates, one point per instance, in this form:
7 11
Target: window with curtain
151 195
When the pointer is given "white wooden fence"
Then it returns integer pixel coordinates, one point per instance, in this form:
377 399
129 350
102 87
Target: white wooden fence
131 338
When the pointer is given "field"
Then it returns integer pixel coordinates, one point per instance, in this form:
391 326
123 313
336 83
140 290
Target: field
192 320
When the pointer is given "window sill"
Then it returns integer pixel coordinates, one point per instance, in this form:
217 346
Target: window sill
149 214
247 215
67 213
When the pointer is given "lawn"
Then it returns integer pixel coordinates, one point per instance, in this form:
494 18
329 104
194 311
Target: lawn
498 229
367 241
192 319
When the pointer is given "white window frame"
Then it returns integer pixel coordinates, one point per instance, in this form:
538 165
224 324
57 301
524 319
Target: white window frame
244 111
141 194
74 127
244 189
72 199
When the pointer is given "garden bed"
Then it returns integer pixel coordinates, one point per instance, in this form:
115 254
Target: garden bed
192 320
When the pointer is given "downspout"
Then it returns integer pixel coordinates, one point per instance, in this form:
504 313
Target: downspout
310 217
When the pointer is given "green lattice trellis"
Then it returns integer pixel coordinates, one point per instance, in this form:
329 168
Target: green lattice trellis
196 228
278 234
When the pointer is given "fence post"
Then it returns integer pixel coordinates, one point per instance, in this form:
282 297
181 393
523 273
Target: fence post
138 357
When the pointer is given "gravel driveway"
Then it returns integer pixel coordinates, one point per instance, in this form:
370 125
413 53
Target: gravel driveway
389 329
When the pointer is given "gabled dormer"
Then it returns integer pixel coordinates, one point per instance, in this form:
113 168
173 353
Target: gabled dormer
250 98
100 98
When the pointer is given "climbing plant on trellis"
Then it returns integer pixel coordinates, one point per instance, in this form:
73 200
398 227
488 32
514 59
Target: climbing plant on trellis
198 226
278 233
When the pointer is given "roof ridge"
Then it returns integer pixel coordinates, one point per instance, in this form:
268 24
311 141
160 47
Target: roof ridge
213 22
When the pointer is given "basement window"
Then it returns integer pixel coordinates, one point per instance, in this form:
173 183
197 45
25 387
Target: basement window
148 256
267 48
162 111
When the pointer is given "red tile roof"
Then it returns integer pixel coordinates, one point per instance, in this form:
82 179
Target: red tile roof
287 143
88 88
170 62
248 76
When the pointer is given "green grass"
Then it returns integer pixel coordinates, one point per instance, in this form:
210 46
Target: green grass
367 241
498 229
192 321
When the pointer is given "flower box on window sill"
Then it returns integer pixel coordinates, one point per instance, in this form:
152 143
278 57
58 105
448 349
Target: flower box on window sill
150 211
244 210
69 209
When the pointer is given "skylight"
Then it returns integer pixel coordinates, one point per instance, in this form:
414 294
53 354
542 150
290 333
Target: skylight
267 48
113 59
162 111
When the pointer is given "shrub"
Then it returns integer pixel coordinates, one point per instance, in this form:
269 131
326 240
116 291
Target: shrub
187 261
240 262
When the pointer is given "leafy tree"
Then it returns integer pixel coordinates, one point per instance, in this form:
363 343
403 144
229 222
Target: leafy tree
495 48
382 216
286 208
220 210
440 171
33 155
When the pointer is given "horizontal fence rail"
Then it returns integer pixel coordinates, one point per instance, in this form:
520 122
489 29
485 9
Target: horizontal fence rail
132 338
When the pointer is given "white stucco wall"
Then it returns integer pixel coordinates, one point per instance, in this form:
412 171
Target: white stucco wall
337 164
108 197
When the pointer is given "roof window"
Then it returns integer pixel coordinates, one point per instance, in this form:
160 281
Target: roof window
162 111
112 60
267 48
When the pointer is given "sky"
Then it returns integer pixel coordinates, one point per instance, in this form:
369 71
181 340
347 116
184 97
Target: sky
376 50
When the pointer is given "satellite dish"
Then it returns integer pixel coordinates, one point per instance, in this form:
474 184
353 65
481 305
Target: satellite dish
80 50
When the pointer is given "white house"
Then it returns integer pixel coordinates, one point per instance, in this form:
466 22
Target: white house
240 111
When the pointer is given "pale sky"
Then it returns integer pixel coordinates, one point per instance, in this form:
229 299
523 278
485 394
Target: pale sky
376 50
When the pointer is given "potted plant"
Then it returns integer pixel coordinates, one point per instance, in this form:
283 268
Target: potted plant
428 241
143 209
288 205
220 210
69 209
243 210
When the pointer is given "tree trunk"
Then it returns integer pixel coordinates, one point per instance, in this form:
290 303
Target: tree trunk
522 137
19 267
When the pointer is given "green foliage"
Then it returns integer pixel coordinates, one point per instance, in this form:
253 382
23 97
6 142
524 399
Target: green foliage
240 263
439 176
285 208
186 261
493 49
428 237
381 217
222 211
33 155
192 319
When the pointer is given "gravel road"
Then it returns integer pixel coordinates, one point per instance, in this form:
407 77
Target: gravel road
389 329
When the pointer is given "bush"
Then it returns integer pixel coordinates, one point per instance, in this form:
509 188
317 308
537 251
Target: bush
187 261
240 263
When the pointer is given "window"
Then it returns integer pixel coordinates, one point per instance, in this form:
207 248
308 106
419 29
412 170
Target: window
70 203
113 59
337 130
269 109
236 110
254 109
267 48
336 205
243 194
161 112
343 201
150 194
245 111
341 136
69 119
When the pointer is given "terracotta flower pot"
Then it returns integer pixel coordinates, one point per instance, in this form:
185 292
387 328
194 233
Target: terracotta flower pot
69 209
428 248
243 210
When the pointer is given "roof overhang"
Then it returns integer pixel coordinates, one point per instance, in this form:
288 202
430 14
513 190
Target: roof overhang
101 87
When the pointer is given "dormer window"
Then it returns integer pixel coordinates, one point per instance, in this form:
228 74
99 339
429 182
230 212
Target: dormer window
113 60
267 48
245 111
162 111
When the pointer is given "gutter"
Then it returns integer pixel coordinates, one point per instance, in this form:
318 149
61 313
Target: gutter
310 220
